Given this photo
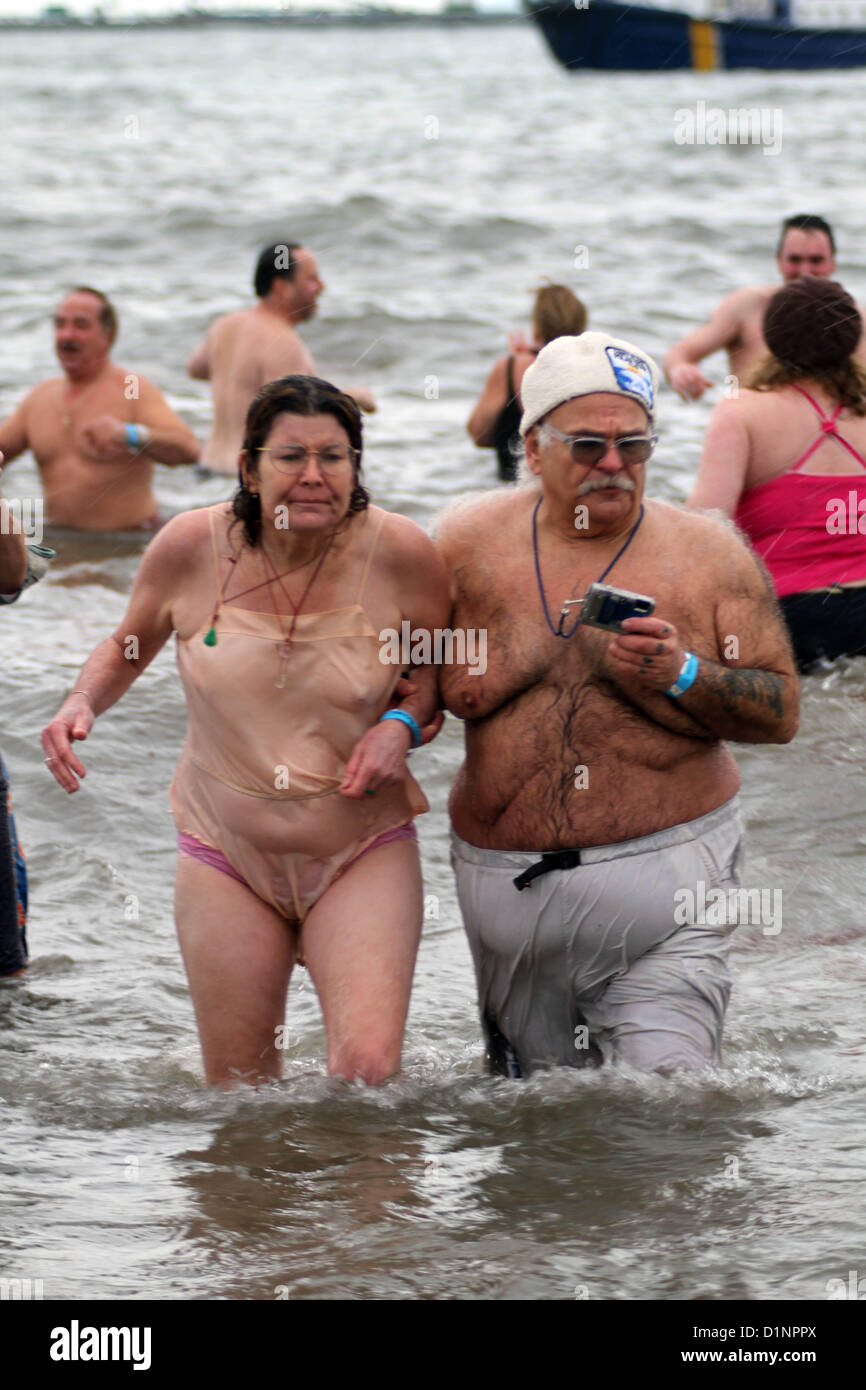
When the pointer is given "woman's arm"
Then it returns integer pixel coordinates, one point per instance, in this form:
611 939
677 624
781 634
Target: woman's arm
489 405
112 667
421 588
724 460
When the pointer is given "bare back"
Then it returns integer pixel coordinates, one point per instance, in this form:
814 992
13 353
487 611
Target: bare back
244 351
782 426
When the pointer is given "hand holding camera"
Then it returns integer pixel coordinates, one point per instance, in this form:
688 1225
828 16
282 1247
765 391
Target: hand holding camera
645 649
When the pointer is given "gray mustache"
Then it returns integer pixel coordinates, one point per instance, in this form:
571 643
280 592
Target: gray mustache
617 480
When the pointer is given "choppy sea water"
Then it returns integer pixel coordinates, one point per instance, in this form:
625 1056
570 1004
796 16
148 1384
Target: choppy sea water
439 175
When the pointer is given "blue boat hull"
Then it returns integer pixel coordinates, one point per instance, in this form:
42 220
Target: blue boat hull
635 38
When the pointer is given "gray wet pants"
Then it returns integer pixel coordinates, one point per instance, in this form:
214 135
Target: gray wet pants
604 959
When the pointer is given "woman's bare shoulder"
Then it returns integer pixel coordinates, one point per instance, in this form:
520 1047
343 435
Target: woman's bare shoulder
180 544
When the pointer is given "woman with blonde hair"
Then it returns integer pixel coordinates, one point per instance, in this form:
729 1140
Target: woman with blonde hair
495 421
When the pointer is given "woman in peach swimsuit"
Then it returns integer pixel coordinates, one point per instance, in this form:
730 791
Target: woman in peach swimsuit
292 799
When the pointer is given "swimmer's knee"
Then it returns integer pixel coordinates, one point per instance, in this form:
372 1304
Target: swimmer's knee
368 1062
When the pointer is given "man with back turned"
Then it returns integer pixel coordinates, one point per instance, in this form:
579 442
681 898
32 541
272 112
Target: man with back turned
597 789
243 350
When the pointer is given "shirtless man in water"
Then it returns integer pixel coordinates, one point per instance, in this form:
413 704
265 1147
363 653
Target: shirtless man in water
806 247
97 431
244 350
598 802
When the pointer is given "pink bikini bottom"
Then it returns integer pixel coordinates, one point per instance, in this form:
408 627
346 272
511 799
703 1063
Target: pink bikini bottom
192 848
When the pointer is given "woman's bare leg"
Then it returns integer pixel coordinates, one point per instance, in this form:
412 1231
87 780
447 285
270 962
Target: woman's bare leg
360 942
238 953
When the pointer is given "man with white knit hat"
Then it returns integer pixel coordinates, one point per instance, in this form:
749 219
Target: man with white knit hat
598 800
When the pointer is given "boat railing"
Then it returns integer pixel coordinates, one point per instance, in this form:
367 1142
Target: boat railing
811 14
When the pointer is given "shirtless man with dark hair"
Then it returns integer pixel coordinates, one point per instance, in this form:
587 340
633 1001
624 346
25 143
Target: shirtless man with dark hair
97 431
597 786
806 247
245 349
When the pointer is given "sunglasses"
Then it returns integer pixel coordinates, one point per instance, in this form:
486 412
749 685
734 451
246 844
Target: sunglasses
588 451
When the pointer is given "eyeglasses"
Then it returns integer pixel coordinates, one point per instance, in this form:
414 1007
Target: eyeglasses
632 448
332 460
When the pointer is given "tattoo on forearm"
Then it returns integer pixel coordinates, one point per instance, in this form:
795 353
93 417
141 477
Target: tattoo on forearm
734 687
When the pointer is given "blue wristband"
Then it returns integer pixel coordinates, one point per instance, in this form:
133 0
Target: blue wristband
405 718
686 678
133 437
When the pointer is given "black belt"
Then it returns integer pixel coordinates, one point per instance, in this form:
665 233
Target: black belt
556 859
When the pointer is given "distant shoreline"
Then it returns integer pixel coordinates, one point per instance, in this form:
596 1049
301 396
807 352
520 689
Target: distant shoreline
299 19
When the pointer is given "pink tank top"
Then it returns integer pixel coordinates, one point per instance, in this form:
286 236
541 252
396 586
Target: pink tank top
807 526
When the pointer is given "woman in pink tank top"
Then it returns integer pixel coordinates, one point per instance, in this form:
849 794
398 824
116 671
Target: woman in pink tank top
786 459
292 800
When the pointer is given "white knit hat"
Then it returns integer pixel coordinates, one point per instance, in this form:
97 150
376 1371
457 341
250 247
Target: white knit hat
571 367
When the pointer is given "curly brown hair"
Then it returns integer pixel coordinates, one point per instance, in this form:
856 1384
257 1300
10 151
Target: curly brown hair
294 395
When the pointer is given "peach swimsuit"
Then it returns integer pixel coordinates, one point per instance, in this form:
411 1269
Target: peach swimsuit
258 775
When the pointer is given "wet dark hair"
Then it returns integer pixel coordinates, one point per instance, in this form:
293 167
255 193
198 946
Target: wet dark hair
812 327
806 222
107 314
276 262
294 395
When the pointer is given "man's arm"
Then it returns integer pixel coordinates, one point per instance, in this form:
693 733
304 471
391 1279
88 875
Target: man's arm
751 697
722 330
199 365
724 460
170 440
13 553
13 560
164 437
489 405
13 433
363 398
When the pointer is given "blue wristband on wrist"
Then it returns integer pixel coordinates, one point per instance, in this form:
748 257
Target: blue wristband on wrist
686 678
405 718
133 437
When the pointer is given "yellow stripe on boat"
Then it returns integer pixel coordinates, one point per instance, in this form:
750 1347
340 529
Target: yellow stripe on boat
704 40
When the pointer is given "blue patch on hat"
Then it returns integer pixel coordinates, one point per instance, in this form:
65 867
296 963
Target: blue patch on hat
632 374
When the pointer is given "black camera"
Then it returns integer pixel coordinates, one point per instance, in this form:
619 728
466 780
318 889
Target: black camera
607 607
